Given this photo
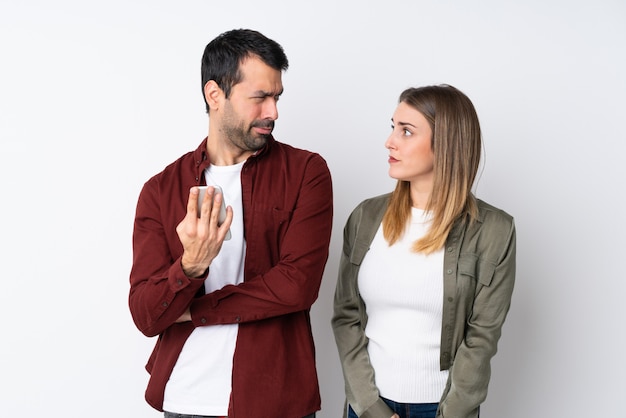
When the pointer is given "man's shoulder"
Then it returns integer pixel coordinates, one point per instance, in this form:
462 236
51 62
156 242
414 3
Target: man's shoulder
173 168
292 156
282 147
186 163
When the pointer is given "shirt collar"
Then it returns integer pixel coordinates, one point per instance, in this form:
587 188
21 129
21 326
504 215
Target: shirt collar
201 155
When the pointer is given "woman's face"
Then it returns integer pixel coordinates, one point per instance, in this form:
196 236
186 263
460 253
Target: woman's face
411 156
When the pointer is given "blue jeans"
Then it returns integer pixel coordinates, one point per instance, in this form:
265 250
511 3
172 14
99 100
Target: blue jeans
406 410
172 415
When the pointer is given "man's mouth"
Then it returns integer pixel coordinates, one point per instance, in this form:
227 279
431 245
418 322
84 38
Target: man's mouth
263 131
263 127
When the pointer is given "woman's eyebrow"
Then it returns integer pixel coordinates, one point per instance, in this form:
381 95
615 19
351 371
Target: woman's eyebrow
400 123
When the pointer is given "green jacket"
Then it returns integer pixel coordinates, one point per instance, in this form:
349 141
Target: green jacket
478 278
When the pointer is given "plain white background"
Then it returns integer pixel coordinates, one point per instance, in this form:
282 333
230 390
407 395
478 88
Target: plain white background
96 97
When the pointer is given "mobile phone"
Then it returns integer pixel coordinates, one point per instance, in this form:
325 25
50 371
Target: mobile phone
222 215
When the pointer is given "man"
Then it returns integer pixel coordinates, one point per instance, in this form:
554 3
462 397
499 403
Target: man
232 315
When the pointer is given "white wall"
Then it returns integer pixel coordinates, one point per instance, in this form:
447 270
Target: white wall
95 97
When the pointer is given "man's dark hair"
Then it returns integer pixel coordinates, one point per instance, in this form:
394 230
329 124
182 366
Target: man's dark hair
224 54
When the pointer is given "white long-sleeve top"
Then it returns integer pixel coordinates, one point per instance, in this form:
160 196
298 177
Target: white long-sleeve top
403 295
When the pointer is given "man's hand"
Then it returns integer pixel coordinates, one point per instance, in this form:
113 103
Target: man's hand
200 235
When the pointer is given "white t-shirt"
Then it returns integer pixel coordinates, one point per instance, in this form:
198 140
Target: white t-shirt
200 383
403 295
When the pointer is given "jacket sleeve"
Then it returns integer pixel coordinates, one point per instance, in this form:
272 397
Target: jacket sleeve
348 323
471 370
160 292
293 283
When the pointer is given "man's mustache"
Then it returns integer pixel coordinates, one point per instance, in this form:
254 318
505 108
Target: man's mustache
263 124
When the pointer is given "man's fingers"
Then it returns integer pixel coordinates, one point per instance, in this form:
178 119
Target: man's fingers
216 207
207 203
229 217
200 201
192 202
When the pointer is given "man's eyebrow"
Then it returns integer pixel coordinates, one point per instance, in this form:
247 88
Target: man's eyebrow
263 93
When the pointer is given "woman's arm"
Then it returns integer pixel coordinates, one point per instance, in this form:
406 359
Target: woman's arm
348 324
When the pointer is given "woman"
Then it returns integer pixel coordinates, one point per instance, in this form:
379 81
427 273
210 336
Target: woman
427 271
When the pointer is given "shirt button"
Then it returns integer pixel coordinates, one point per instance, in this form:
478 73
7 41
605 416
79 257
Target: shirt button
450 249
203 320
450 299
179 282
237 319
164 304
449 271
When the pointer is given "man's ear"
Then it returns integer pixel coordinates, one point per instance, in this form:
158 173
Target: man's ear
213 94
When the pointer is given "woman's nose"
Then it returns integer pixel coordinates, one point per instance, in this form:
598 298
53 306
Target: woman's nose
389 142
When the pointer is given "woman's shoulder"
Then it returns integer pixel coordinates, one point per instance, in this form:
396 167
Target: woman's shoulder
488 212
374 203
494 221
371 209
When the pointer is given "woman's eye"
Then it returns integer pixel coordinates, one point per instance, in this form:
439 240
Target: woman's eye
405 131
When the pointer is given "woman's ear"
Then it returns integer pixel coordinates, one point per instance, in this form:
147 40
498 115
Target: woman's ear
213 94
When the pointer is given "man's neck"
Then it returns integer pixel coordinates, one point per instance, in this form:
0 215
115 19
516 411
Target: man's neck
222 154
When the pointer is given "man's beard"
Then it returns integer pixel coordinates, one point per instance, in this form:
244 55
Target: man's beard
246 138
255 141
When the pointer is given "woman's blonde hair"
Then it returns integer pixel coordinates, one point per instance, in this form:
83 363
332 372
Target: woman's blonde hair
456 145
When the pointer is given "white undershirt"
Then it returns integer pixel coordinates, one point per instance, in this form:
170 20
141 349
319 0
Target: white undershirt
403 295
200 383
